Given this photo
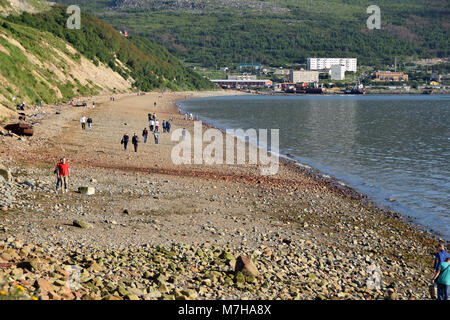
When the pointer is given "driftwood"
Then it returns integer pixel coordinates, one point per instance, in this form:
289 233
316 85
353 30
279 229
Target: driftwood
21 129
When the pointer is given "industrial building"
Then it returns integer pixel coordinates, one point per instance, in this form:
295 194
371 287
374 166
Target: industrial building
242 77
326 63
296 76
390 76
239 84
337 72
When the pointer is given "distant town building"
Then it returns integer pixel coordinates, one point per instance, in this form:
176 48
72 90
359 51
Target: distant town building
249 67
239 84
326 63
296 76
337 72
436 77
242 77
281 71
390 76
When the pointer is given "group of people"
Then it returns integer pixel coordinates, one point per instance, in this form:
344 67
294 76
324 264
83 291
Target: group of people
153 129
154 123
83 122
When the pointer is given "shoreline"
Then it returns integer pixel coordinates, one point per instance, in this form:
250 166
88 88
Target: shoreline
299 230
340 187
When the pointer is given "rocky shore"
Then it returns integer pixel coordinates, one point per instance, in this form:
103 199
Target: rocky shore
153 230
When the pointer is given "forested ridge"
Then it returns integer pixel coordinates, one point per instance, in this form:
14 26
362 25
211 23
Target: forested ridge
282 32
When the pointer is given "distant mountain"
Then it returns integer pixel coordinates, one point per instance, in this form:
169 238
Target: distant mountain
281 32
41 59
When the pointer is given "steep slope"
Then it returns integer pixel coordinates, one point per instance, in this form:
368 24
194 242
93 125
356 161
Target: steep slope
213 32
151 66
42 60
38 66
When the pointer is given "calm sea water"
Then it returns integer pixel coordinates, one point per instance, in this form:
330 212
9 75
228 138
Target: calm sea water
384 146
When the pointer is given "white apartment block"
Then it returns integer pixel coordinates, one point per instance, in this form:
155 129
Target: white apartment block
297 76
326 63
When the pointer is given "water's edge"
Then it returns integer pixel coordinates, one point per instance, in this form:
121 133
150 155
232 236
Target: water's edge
325 175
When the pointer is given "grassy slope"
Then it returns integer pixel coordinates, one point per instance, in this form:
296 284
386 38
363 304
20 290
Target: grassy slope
151 66
25 75
311 28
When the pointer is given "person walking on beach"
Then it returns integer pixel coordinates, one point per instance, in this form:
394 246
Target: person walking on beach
442 278
89 122
83 122
145 134
183 134
62 171
149 117
168 125
125 140
441 255
152 125
164 125
156 125
156 135
135 142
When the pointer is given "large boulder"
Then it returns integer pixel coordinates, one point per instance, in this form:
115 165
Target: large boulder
82 224
86 190
5 173
245 265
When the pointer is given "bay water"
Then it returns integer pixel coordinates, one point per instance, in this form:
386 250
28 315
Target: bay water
388 147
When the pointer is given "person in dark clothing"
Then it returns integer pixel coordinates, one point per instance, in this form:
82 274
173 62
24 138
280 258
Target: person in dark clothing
89 122
164 125
135 142
125 140
441 255
149 116
168 125
145 134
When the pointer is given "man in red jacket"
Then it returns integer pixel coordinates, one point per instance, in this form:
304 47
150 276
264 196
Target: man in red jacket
63 172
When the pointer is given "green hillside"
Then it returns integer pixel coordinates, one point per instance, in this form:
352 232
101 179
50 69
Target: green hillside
280 32
150 65
35 66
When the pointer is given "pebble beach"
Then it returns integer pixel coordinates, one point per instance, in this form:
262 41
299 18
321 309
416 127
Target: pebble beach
156 230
